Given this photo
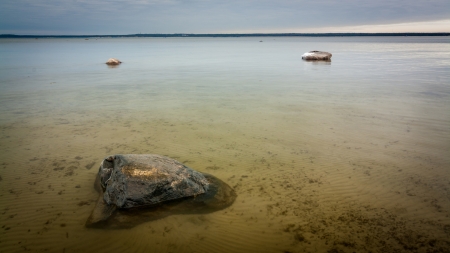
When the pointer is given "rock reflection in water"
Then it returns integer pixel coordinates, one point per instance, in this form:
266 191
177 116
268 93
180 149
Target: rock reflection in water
219 196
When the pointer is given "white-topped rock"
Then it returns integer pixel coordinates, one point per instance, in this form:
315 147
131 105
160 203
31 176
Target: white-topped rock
113 61
316 56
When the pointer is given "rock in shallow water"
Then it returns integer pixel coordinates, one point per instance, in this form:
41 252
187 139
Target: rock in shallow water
113 61
317 56
140 188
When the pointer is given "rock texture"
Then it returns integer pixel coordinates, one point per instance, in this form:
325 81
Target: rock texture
154 182
139 180
317 56
113 61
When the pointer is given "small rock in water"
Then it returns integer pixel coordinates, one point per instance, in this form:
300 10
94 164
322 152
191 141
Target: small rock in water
317 56
113 61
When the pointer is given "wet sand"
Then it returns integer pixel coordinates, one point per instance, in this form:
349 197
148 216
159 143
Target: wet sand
312 174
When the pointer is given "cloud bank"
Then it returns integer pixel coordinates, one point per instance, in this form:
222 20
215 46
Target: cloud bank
210 16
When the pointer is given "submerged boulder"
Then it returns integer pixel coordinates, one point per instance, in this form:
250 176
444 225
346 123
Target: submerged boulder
317 56
138 188
113 61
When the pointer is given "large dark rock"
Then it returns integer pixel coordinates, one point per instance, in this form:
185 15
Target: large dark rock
139 188
317 56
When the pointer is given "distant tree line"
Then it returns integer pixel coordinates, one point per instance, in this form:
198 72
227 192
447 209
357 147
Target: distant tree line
227 35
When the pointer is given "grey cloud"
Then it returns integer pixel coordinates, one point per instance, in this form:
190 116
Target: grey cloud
130 16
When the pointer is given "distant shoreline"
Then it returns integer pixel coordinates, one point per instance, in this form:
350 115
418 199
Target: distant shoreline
228 35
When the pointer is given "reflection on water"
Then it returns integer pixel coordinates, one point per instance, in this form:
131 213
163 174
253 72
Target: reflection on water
219 196
344 157
314 62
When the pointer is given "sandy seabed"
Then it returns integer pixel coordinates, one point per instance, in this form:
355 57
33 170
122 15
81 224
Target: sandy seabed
335 174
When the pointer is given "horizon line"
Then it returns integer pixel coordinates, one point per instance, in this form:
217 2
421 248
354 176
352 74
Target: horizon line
330 34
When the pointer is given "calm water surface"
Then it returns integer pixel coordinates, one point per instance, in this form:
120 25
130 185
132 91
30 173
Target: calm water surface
351 155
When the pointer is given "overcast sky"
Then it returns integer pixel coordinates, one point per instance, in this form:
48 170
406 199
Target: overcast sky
224 16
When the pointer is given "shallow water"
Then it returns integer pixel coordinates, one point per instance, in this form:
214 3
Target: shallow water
347 156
